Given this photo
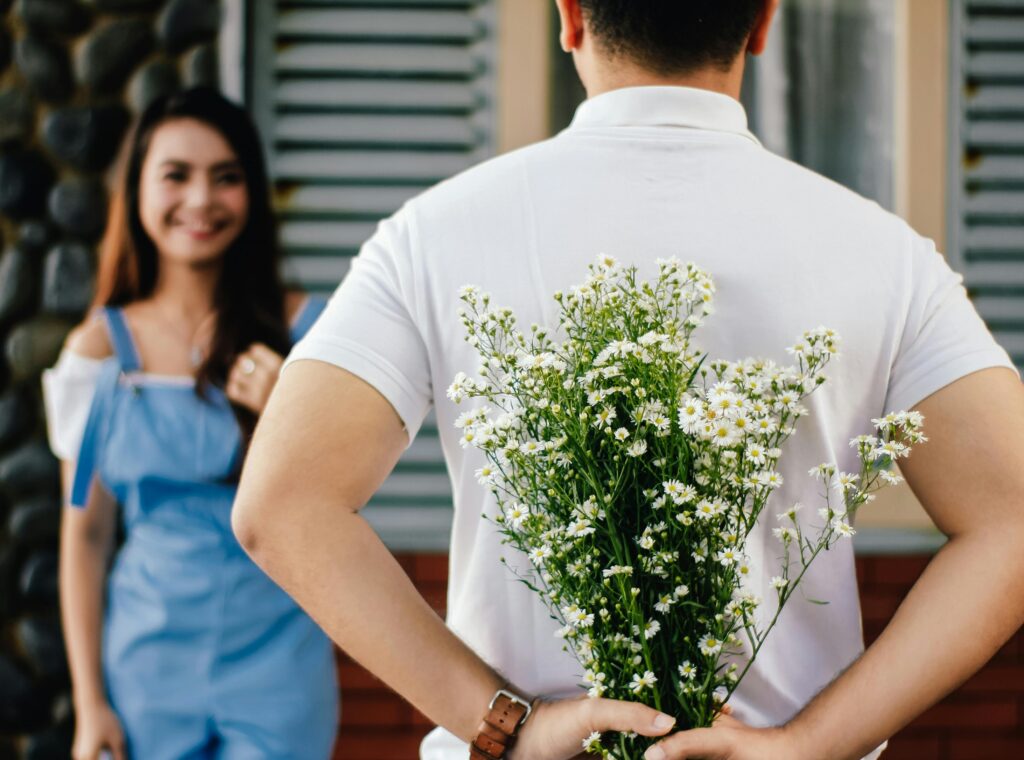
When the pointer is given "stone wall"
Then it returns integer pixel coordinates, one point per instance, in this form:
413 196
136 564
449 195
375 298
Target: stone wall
72 75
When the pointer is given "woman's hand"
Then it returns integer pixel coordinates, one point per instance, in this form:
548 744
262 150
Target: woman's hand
96 729
253 376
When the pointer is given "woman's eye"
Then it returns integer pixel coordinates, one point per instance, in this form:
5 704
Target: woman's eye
229 178
175 176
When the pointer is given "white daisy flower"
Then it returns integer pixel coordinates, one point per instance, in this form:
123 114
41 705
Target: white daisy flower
843 528
540 553
617 570
516 514
664 603
709 645
846 481
640 683
485 475
637 448
726 557
579 528
577 617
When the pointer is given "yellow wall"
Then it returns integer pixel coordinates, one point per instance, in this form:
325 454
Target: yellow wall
524 72
922 87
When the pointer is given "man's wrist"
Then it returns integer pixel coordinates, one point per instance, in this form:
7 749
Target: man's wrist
506 713
796 738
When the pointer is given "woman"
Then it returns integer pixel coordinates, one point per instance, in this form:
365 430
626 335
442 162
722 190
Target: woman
197 653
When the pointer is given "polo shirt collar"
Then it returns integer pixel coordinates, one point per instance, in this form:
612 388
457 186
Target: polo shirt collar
664 107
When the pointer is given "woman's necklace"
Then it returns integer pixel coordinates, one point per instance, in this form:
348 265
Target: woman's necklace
196 349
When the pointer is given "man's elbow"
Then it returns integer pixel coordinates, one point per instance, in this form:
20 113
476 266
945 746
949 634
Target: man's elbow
248 525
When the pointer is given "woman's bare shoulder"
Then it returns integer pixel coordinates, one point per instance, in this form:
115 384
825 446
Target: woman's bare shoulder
294 300
90 339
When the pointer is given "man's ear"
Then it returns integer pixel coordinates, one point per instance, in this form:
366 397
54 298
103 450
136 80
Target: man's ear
759 34
571 17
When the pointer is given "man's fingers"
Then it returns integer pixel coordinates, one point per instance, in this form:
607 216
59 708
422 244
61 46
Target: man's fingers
725 719
612 715
695 744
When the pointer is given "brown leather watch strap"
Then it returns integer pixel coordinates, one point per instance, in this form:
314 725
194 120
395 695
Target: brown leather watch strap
498 730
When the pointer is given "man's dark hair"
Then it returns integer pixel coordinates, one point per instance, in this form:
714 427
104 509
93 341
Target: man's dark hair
673 36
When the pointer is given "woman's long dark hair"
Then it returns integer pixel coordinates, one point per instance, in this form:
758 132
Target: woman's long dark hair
249 297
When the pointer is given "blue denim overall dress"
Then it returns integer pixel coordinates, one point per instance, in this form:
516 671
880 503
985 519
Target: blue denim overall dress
203 655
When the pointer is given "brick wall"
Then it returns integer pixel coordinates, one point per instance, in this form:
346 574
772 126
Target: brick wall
984 720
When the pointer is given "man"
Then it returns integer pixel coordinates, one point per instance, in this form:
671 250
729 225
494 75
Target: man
657 162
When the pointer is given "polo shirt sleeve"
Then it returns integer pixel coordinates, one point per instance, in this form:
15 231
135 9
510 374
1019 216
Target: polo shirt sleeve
368 326
943 338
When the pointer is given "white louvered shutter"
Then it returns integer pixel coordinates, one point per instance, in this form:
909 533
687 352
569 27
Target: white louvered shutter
987 164
363 104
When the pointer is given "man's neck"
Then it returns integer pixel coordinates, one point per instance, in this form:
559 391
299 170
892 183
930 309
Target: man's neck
621 75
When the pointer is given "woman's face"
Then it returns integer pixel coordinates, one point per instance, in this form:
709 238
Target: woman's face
193 200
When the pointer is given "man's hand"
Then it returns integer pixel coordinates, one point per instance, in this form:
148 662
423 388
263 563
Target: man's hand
728 739
557 731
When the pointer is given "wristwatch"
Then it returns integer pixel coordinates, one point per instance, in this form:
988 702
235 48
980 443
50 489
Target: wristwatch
505 716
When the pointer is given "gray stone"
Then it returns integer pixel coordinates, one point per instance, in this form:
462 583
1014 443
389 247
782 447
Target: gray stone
112 52
79 207
202 67
152 81
68 276
23 704
185 23
19 277
17 114
46 66
125 6
37 581
15 417
62 17
52 743
33 346
35 235
40 640
34 521
86 137
6 579
29 470
6 47
25 181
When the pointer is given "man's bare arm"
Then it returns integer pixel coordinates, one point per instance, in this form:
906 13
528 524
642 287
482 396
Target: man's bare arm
968 602
325 443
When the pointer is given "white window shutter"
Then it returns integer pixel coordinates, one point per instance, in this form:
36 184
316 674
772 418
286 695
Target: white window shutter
362 105
987 162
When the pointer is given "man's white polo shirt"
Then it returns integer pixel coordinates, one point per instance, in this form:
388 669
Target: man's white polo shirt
644 173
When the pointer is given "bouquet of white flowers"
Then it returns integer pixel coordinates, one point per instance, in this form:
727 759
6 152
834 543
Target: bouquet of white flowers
631 470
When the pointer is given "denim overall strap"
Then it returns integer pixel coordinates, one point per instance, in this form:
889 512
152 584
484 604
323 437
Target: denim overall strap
309 313
121 337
